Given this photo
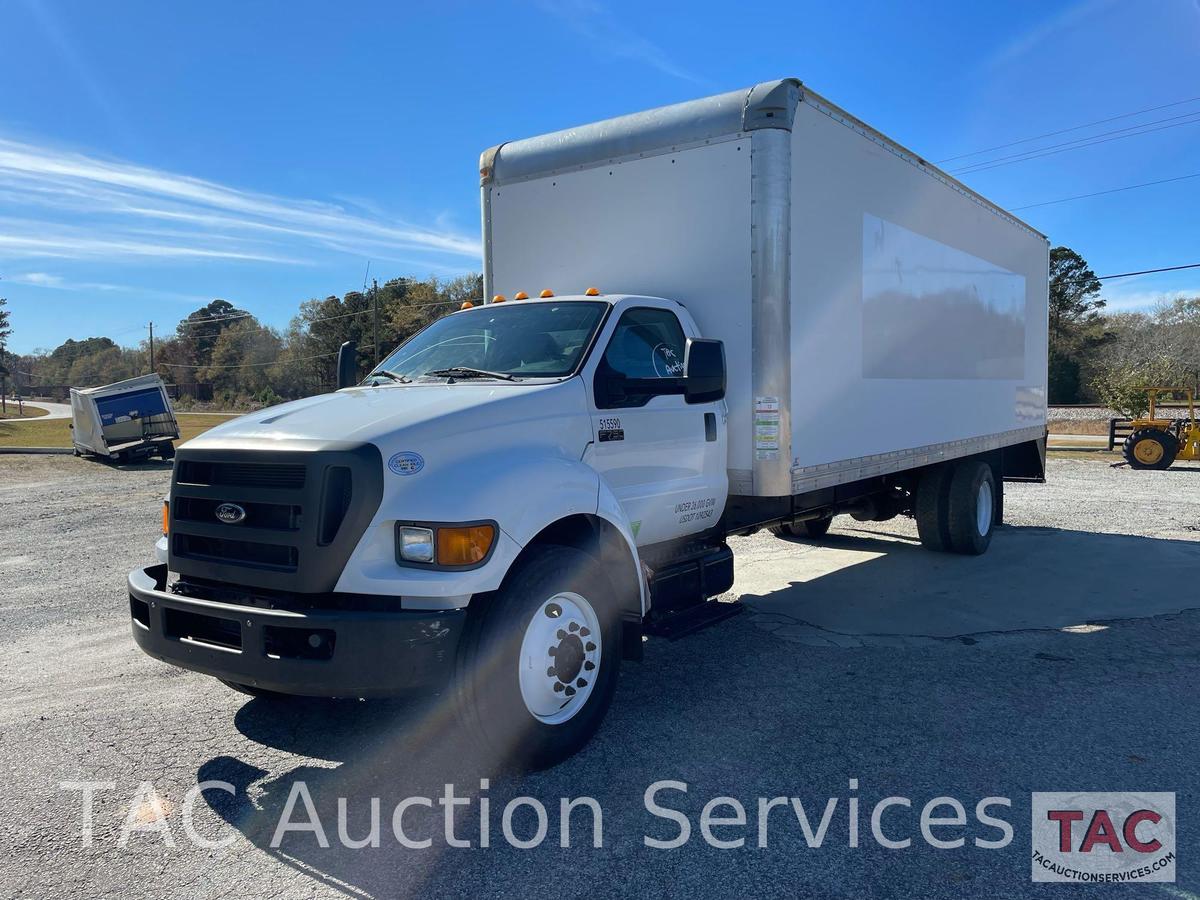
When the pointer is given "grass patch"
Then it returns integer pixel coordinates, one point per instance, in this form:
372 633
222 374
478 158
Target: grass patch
31 412
55 432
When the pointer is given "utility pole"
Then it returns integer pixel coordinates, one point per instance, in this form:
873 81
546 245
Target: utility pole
375 315
151 348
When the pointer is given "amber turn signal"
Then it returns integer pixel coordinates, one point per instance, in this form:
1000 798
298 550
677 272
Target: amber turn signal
166 517
464 545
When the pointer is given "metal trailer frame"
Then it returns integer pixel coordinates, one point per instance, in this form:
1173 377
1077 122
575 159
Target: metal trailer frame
765 114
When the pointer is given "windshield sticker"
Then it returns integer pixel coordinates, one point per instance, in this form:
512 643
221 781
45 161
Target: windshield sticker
406 463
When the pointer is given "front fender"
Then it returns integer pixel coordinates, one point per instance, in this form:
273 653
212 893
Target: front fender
522 496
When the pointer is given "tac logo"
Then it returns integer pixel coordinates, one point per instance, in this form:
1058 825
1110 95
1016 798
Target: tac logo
1103 837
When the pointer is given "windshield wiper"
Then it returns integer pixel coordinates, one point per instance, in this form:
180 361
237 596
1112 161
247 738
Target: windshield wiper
403 379
468 372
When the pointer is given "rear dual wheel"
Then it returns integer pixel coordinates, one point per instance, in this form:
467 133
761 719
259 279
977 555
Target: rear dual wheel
956 507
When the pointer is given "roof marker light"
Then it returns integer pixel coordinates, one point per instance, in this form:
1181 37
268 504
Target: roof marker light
520 295
546 293
592 292
467 304
499 298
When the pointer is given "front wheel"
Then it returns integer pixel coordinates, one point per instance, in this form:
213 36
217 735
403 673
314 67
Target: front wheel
1150 448
538 664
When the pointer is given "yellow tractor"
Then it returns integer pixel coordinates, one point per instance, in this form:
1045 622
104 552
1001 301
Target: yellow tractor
1155 442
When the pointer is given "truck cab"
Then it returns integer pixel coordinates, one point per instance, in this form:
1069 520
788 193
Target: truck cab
348 544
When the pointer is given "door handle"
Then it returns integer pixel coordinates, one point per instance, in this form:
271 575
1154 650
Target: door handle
710 427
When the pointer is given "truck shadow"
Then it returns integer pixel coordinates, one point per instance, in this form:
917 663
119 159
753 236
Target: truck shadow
738 711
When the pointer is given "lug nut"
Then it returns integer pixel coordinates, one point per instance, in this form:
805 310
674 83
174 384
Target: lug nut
589 646
552 671
574 626
589 665
570 691
582 682
558 688
583 632
561 634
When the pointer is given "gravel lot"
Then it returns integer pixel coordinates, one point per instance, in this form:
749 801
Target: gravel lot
754 707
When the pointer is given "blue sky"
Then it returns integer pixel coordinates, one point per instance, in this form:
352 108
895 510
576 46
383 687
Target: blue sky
156 155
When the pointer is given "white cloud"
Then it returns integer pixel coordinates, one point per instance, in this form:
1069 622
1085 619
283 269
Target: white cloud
594 22
113 205
1050 27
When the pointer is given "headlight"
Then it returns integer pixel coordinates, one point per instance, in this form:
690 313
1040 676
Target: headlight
415 544
451 546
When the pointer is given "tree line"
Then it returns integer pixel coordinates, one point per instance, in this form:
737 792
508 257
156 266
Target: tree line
224 354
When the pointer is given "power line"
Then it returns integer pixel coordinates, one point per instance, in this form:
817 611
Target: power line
1070 145
1150 271
1131 187
1039 137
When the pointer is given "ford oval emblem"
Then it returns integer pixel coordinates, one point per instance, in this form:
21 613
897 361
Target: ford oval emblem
406 463
229 513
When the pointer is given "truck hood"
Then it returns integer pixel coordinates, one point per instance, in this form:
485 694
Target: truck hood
377 414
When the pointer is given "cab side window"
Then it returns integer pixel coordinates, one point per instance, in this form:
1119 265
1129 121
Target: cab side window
647 344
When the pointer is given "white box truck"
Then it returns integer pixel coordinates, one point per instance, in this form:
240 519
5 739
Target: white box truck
124 422
749 311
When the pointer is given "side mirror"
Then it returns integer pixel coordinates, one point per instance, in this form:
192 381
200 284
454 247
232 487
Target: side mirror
704 371
347 365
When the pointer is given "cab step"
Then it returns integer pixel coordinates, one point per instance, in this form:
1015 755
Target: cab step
680 593
692 619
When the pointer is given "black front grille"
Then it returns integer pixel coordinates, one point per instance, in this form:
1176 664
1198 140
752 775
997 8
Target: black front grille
303 514
235 474
248 553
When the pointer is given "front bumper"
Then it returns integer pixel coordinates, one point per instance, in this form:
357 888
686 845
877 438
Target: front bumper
314 653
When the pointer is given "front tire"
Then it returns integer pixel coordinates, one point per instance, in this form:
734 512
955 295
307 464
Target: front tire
538 663
1150 448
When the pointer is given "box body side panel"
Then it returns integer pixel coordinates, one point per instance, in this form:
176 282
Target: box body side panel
918 312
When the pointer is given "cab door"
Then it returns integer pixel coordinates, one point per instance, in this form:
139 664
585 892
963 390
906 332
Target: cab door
663 457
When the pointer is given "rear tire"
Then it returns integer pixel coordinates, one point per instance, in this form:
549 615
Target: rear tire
933 508
1150 448
972 507
538 663
809 529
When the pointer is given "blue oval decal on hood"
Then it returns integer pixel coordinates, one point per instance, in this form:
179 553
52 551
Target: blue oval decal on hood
406 463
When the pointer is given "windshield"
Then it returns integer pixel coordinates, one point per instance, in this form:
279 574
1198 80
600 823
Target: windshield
534 340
